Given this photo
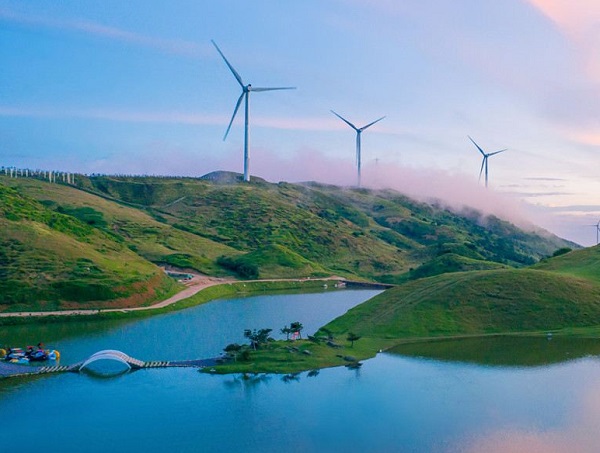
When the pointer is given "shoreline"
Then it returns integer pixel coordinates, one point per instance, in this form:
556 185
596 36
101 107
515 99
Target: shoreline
195 286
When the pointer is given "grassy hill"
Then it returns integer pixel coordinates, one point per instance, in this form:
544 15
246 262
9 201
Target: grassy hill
451 262
272 261
580 263
50 260
219 225
153 240
374 234
560 292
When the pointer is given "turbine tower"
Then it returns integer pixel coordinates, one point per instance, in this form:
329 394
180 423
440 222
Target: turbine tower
358 133
246 89
597 226
484 163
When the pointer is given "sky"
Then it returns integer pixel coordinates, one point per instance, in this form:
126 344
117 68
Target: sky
137 87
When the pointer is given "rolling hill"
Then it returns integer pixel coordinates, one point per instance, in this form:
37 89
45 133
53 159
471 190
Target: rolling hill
559 292
50 260
218 225
375 234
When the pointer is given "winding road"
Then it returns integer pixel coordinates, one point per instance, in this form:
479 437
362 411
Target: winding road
195 285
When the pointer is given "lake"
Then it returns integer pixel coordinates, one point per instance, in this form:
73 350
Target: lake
419 398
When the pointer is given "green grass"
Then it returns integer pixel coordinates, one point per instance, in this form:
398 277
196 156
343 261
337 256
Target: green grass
50 260
451 262
476 303
276 357
155 241
580 263
273 261
367 233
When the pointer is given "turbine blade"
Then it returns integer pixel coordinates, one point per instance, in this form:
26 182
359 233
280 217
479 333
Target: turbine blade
370 124
233 71
482 165
497 152
272 89
345 121
478 147
237 106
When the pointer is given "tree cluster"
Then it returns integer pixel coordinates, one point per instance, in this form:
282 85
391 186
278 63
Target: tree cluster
295 328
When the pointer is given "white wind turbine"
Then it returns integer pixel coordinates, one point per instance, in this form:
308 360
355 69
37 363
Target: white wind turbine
597 226
359 131
246 89
484 163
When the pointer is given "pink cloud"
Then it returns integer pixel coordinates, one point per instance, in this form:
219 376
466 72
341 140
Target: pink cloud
453 190
578 21
573 16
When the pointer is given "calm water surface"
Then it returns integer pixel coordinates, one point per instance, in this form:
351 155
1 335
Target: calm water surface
416 402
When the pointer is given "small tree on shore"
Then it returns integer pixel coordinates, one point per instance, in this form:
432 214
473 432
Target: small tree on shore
257 337
352 337
233 350
286 331
296 328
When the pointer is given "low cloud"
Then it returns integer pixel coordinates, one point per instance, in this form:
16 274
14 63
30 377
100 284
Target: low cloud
454 190
539 194
544 179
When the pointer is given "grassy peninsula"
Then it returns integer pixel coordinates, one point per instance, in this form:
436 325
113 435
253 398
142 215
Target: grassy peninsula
559 295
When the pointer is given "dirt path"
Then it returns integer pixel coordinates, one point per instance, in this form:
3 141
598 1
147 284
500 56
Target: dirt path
195 285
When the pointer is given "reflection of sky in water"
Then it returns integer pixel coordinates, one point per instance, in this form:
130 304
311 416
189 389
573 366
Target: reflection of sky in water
391 404
578 434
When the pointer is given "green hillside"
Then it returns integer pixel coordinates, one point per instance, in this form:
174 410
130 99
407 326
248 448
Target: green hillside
153 240
581 263
219 225
272 261
374 234
483 302
451 262
50 260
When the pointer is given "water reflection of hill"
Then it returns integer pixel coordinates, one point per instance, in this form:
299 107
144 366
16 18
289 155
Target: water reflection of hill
514 351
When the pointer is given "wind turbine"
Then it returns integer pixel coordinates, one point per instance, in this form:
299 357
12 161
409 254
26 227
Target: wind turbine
358 133
484 163
597 225
246 89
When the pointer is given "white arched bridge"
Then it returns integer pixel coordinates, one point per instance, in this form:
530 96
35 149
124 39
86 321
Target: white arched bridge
117 356
11 370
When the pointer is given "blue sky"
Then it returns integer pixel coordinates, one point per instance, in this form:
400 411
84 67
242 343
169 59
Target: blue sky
136 87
